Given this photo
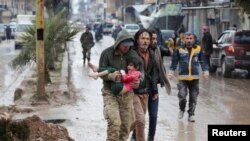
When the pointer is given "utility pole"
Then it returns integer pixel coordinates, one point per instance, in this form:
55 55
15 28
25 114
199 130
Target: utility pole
104 8
40 51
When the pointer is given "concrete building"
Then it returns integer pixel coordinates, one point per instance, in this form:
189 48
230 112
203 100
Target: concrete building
10 8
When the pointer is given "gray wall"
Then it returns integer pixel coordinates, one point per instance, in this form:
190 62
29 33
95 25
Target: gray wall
218 20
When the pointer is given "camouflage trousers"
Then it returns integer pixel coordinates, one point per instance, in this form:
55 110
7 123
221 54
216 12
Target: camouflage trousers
118 111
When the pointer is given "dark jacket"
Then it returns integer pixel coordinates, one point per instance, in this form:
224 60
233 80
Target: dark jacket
149 84
8 32
87 40
110 58
161 71
207 44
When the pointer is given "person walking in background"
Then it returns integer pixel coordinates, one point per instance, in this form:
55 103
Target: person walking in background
148 84
189 56
161 43
8 33
87 42
172 43
207 44
153 100
181 31
117 29
118 109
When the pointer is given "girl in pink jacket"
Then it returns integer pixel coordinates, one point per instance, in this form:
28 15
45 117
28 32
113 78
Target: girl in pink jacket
124 82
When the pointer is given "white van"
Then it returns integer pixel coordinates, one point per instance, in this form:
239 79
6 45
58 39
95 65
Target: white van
23 22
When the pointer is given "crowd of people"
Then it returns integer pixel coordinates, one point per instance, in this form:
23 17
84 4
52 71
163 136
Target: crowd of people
131 70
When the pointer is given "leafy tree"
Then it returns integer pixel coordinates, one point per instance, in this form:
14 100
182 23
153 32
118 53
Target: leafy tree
57 32
245 5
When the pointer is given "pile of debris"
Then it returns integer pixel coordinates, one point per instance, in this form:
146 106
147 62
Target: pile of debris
30 129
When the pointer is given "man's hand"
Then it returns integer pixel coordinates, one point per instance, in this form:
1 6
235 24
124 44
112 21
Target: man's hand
155 96
135 84
206 77
170 76
115 76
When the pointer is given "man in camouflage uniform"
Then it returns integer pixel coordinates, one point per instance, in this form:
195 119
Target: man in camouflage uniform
87 42
118 109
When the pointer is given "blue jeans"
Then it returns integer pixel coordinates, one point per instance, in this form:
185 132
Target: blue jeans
153 111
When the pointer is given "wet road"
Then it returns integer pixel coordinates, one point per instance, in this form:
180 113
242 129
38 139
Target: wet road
221 101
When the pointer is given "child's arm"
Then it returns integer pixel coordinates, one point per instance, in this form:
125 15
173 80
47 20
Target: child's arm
104 71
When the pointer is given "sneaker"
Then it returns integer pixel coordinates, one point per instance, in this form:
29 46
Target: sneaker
181 114
191 119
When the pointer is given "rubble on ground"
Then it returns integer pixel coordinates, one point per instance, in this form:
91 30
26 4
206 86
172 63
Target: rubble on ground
30 129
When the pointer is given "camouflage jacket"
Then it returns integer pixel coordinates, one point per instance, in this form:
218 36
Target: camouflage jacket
87 40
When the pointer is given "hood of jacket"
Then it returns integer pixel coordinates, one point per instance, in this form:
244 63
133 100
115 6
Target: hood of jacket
122 35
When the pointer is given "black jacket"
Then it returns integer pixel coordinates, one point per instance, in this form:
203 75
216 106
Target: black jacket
149 83
207 44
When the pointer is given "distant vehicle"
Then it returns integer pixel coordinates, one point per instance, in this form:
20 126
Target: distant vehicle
166 34
13 29
23 22
132 28
107 28
231 51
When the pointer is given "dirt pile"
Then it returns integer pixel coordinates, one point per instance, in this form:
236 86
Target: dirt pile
30 129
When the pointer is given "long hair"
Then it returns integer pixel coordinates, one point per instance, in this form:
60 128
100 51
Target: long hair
138 33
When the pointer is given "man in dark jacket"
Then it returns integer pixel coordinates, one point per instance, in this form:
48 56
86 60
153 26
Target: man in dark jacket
148 86
87 42
153 100
118 109
207 44
8 33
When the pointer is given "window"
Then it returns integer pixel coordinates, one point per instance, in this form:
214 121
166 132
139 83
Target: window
242 38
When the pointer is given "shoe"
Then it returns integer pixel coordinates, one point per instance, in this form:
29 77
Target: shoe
133 139
191 119
150 139
181 114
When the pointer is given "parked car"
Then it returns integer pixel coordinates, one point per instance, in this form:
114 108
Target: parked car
167 33
132 28
20 31
231 51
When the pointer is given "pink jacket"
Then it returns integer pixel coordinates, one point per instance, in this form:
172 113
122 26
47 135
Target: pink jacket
128 78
